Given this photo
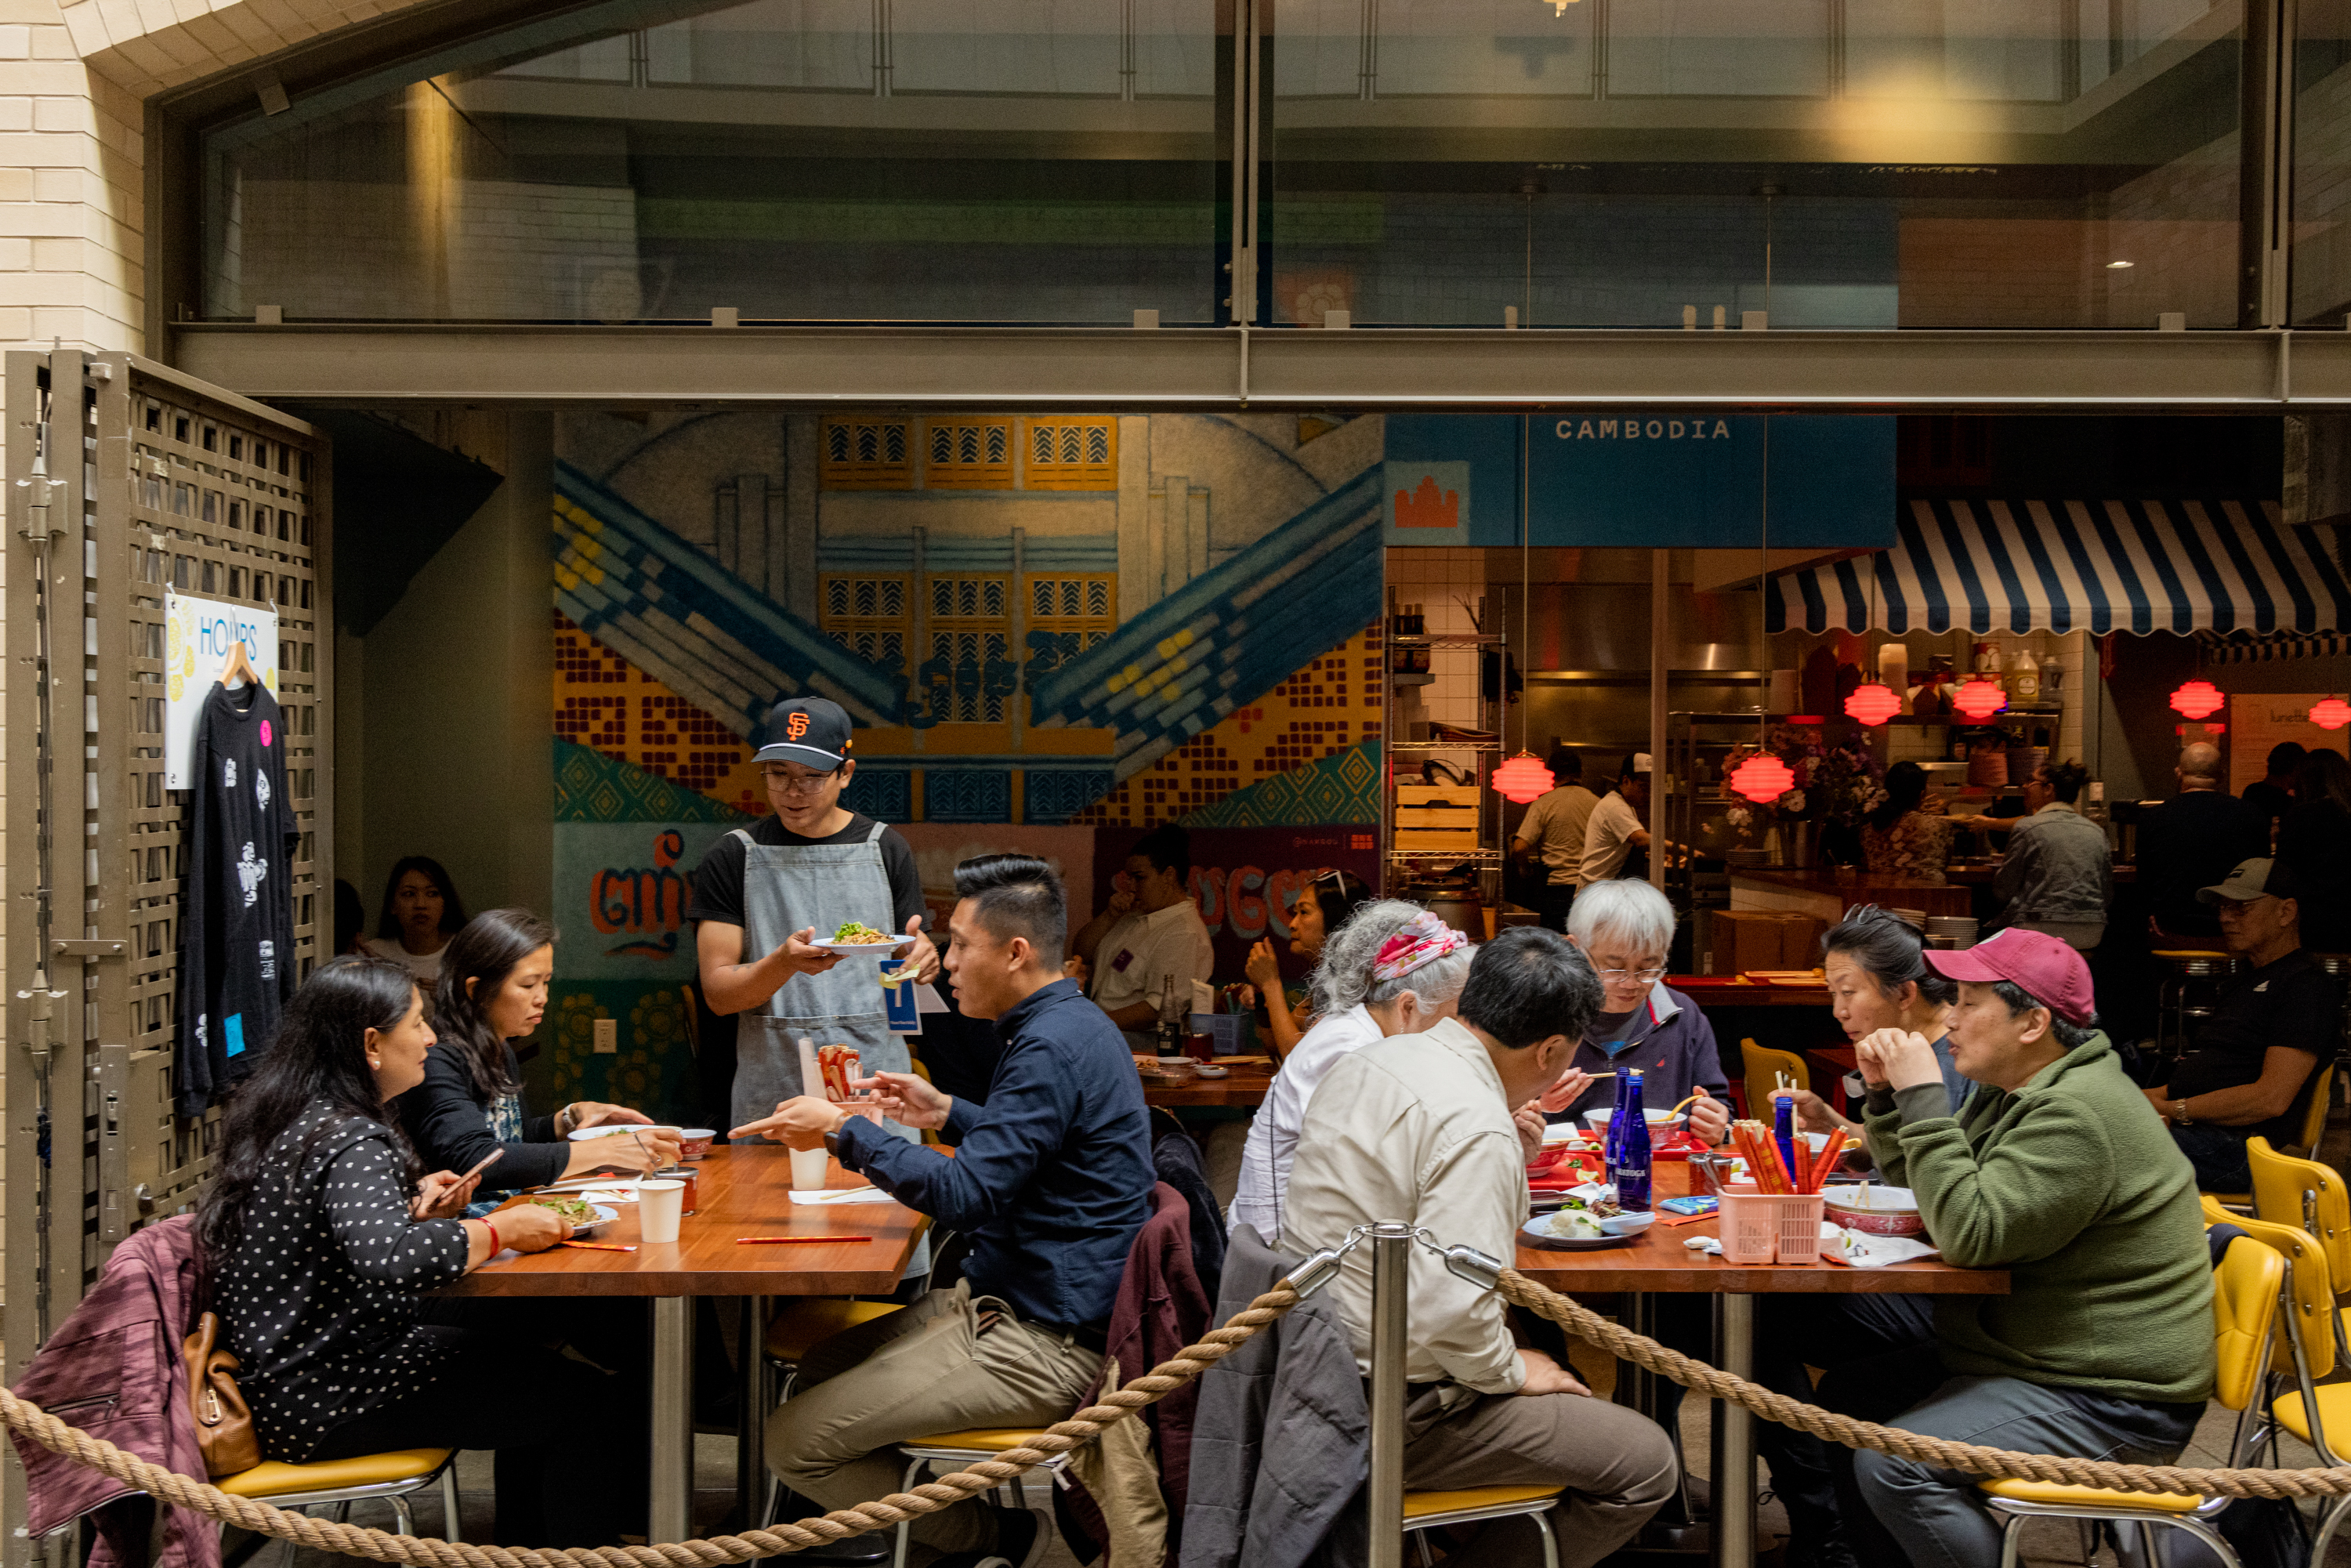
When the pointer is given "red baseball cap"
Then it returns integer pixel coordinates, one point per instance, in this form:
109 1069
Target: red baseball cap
2034 960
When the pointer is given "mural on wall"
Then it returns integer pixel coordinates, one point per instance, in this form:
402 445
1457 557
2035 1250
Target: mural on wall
1041 626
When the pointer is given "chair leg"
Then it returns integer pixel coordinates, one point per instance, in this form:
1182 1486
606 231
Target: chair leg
1550 1542
2011 1541
2327 1531
2211 1537
1420 1545
452 1524
403 1522
2088 1529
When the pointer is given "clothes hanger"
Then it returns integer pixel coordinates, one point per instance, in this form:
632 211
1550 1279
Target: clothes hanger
239 667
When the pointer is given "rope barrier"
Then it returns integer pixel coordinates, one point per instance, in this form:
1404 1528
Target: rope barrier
1941 1452
424 1552
1086 1425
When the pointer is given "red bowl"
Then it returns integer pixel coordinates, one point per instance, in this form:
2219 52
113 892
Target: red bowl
1878 1221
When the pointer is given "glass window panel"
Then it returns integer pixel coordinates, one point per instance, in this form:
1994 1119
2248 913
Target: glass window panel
1717 48
1051 161
2321 163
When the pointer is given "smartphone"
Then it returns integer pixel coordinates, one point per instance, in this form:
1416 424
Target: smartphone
1694 1205
494 1156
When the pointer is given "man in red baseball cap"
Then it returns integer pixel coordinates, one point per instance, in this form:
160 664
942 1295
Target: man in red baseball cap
2058 1170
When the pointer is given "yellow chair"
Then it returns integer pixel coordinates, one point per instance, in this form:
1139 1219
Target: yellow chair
1427 1510
2248 1289
800 1325
2311 1197
393 1477
2313 1128
1761 1070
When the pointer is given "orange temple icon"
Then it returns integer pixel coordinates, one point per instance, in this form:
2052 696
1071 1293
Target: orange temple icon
1426 508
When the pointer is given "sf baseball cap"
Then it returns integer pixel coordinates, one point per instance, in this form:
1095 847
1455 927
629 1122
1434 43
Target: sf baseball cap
2034 960
2252 879
810 731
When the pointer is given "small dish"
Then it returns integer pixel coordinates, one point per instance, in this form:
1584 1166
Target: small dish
1212 1070
1627 1224
605 1215
617 1129
1533 1235
879 949
695 1142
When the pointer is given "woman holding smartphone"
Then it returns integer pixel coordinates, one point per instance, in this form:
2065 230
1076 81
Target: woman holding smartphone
492 992
327 1244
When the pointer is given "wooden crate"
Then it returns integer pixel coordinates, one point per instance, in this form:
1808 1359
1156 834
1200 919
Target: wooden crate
1435 816
1437 794
1444 841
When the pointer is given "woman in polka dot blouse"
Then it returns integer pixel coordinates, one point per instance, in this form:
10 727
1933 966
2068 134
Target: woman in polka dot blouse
324 1242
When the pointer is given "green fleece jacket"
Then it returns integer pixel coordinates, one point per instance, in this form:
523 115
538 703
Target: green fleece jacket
2073 1185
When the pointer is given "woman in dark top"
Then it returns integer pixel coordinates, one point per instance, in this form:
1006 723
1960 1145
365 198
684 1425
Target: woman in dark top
493 991
325 1244
2314 842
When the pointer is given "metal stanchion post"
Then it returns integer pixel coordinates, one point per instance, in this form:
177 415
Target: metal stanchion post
751 1429
1391 1257
1734 1435
673 1435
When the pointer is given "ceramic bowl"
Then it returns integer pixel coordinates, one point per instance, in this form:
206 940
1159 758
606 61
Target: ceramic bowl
1878 1210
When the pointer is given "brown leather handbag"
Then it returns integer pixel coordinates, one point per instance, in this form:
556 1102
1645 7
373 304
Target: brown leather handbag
224 1423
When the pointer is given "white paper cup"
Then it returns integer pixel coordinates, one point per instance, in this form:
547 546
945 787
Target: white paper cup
809 1170
661 1204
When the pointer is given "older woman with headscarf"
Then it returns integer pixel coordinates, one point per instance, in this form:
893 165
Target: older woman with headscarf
1393 968
1626 928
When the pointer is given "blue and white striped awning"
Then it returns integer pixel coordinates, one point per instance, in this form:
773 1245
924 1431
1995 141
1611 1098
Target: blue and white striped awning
2067 566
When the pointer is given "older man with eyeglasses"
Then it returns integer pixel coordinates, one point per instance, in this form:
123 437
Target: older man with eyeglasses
765 895
1626 928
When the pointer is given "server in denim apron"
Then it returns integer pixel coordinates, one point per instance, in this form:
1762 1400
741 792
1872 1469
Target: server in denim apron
763 896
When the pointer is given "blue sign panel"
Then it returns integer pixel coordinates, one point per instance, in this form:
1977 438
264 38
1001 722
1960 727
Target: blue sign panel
1639 480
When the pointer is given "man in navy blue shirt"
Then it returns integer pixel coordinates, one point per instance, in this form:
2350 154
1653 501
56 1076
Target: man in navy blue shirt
1051 1181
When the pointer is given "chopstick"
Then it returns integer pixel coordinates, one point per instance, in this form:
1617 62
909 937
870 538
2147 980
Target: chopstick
601 1246
1830 1153
780 1240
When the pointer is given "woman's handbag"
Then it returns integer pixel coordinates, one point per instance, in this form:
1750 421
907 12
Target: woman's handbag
224 1423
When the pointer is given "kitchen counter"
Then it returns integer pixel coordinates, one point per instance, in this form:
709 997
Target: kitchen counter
1828 892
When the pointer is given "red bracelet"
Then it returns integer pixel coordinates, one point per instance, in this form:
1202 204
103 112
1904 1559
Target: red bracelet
494 1248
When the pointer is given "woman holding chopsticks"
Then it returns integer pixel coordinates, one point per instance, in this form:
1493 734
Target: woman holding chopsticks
325 1244
493 992
1876 965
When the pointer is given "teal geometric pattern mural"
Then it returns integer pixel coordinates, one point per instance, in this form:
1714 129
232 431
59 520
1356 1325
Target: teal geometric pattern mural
1342 789
590 787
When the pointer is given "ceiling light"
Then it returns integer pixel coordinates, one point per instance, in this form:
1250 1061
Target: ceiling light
2119 266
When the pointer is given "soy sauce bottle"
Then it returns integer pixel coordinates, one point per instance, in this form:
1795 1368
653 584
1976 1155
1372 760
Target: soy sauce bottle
1613 1139
1629 1170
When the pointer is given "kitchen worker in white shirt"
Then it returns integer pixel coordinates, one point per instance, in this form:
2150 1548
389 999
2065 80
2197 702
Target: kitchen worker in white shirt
1614 830
1149 935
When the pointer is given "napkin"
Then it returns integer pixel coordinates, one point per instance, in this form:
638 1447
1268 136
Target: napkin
1860 1249
844 1195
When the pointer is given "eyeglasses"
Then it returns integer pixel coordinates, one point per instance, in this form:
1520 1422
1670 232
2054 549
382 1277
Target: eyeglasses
797 783
1646 977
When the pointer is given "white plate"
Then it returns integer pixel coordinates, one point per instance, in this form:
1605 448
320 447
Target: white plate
616 1129
605 1215
878 949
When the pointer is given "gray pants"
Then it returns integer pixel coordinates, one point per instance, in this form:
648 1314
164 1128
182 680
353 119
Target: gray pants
1937 1516
923 1370
1616 1465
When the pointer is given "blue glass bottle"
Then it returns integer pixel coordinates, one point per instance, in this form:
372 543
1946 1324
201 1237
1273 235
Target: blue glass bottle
1783 1131
1629 1170
1609 1139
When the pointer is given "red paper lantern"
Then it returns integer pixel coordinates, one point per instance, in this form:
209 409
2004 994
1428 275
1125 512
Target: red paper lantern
1979 699
1762 778
2332 713
1873 703
2198 699
1522 779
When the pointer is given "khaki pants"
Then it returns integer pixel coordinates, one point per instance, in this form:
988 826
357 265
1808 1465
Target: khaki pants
923 1370
1616 1466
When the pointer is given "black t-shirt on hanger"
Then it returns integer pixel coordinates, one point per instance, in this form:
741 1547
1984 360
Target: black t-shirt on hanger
236 903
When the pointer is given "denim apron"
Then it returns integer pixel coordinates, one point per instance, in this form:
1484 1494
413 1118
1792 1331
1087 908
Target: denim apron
789 888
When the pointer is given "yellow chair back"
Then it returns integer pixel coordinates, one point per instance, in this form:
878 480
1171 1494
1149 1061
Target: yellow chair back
2307 1196
1761 1068
2244 1311
2309 1289
2313 1120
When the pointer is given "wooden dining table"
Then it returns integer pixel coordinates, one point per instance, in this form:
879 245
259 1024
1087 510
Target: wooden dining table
741 1191
1657 1262
1248 1081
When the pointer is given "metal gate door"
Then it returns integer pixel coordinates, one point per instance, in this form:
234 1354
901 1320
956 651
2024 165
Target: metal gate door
125 480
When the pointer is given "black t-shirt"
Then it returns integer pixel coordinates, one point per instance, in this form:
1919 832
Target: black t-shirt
718 881
2291 1002
237 905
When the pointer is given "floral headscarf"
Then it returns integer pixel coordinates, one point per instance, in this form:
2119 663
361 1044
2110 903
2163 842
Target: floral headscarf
1423 940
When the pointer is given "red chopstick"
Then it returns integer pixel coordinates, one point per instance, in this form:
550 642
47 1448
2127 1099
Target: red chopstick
1831 1153
601 1246
779 1240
